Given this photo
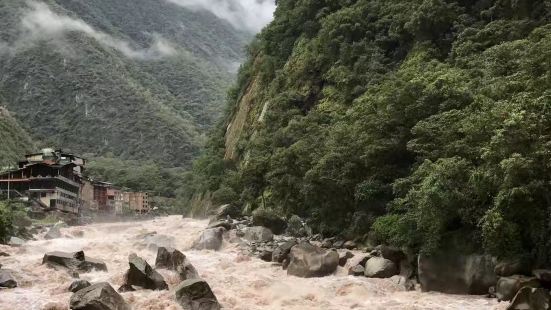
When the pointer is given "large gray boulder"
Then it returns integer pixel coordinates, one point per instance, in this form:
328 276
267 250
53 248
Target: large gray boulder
195 294
281 252
7 279
378 267
307 261
531 299
78 285
258 234
270 220
225 211
141 274
507 287
74 261
173 259
506 268
210 239
456 274
100 296
16 242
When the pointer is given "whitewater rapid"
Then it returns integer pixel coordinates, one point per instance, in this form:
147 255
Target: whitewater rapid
240 282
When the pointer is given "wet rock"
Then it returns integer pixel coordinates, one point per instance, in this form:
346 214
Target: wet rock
227 225
516 266
327 243
227 210
403 282
78 285
359 259
195 294
276 224
100 296
357 270
210 239
4 254
344 257
456 273
339 244
265 254
258 234
126 288
350 245
74 261
307 260
282 252
391 253
507 287
53 233
173 259
529 298
16 242
141 274
544 275
7 279
378 267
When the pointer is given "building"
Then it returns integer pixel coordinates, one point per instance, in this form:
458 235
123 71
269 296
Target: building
50 179
101 196
136 201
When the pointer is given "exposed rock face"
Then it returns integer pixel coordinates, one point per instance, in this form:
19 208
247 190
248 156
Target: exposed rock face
53 233
282 252
78 285
258 234
276 224
378 267
210 239
195 294
141 274
7 279
513 267
507 287
100 296
531 299
74 261
307 260
457 274
173 259
15 241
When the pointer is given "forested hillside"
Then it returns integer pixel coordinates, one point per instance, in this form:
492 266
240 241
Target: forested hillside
14 140
407 122
133 80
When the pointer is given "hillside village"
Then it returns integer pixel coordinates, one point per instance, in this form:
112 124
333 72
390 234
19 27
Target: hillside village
54 180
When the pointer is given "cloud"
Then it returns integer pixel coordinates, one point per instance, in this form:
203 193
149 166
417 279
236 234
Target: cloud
250 15
39 22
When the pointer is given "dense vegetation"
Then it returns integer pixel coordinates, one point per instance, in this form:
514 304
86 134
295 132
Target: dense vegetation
14 140
73 89
408 122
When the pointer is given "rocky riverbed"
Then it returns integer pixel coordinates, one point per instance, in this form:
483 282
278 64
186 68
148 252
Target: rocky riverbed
238 280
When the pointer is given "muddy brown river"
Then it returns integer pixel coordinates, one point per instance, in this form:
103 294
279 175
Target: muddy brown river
238 281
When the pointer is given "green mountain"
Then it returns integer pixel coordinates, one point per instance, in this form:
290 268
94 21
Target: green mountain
407 122
15 141
129 79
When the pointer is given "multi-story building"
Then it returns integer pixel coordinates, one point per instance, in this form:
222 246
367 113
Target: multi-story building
136 201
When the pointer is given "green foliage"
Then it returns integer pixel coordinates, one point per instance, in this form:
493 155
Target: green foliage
419 121
15 141
6 220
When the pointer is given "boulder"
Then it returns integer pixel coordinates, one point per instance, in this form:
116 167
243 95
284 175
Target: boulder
100 296
276 224
378 267
220 223
529 298
78 285
456 274
356 271
339 244
195 294
282 252
141 274
126 288
344 257
4 254
265 254
307 260
74 261
53 233
327 243
507 287
16 242
359 259
258 234
210 239
544 275
227 210
169 258
516 266
7 279
350 245
391 253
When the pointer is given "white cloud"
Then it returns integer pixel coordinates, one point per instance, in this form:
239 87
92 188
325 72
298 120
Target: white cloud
39 22
250 15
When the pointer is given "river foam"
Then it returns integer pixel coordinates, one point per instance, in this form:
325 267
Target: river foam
239 282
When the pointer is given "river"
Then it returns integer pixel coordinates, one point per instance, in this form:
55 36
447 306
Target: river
238 281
